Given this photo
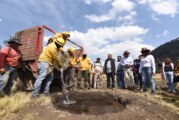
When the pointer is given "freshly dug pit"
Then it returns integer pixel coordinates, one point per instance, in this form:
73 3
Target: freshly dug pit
91 103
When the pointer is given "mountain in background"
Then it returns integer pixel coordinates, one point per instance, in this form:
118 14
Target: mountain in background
169 49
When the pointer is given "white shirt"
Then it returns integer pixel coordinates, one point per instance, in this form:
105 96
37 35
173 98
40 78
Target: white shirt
126 61
97 67
147 61
108 67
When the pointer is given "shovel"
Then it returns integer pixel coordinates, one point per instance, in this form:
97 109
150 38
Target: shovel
64 58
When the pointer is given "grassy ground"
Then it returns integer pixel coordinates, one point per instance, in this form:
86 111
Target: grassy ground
14 104
11 106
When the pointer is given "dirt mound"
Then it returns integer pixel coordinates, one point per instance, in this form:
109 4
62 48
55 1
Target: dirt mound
91 104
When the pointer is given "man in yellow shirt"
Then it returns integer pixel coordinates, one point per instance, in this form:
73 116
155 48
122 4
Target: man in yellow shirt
64 35
84 70
46 59
69 72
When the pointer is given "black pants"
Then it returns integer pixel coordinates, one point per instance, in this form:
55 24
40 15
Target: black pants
138 79
110 76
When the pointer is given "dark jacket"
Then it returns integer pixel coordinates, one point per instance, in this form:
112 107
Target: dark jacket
112 65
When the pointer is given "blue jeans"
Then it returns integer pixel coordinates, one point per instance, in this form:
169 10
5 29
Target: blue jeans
147 75
44 74
6 79
169 77
120 79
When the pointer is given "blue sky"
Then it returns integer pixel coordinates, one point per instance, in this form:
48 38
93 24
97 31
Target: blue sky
101 26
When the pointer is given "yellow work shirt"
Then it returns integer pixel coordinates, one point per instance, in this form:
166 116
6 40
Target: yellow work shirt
56 36
85 64
49 54
72 62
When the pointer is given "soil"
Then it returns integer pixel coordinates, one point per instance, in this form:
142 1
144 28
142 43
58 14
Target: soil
100 105
91 104
105 104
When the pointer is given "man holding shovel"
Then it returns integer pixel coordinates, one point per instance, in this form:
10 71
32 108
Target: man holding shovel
45 62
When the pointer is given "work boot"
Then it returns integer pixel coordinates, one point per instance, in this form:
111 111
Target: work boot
169 91
47 94
34 96
143 91
153 92
174 91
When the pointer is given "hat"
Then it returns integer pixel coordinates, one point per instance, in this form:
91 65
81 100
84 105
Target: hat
144 49
71 49
126 52
60 41
67 34
14 40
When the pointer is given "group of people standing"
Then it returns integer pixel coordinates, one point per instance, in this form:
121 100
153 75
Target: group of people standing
139 72
129 73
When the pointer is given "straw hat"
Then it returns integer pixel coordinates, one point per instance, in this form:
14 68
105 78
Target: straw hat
144 49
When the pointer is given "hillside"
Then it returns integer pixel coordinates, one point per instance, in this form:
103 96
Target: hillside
169 49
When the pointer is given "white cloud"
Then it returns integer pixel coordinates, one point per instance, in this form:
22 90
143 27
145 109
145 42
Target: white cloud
0 19
163 7
143 1
154 18
99 1
102 18
163 34
115 40
122 5
128 19
45 40
116 49
118 6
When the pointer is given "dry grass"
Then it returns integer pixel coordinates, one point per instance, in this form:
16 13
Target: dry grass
160 100
13 104
30 117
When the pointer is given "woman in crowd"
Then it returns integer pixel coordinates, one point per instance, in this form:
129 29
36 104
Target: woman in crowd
147 69
168 75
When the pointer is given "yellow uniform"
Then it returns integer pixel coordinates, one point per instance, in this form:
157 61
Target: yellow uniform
72 62
49 54
60 35
85 64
